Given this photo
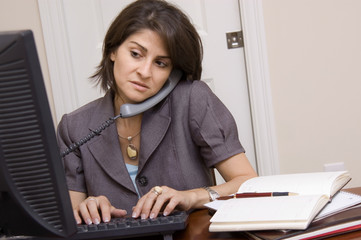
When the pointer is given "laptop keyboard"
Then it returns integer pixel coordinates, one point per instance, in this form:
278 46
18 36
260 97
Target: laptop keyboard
129 227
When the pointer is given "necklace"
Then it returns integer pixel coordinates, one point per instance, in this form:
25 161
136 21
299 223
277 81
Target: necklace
132 151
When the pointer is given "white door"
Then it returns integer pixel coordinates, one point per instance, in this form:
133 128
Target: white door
224 69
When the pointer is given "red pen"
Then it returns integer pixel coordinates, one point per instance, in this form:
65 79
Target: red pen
256 194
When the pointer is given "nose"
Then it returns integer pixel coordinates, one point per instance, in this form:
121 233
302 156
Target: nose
145 69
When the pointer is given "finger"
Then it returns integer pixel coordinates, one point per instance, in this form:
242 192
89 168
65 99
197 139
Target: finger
92 205
151 199
77 217
105 208
173 203
83 209
157 207
108 210
169 196
137 208
115 212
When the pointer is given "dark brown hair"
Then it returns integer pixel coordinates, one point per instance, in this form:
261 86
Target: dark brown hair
174 27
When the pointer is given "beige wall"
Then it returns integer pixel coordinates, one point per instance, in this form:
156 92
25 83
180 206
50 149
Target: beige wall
314 56
24 14
314 53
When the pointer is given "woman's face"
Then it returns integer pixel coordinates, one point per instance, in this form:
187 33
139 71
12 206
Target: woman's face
141 66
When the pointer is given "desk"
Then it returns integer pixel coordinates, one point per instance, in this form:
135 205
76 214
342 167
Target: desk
198 224
197 229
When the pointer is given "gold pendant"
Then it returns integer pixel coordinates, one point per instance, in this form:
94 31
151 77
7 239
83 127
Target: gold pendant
132 151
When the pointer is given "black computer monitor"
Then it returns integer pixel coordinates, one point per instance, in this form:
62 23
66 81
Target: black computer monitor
34 199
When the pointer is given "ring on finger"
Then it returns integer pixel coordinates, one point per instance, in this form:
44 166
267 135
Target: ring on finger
157 190
91 199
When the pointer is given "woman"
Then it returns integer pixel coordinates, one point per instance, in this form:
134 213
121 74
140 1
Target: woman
162 159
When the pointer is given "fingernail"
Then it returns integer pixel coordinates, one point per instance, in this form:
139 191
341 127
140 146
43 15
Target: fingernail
142 216
88 221
134 214
106 219
152 215
165 213
96 221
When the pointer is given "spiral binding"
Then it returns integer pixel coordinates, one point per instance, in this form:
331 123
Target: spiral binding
88 137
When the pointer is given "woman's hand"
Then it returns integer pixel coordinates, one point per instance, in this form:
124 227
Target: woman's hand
163 198
235 170
90 208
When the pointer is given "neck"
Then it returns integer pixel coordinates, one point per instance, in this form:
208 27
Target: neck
130 123
126 125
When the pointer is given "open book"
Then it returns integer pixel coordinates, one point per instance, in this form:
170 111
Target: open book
346 221
314 191
341 201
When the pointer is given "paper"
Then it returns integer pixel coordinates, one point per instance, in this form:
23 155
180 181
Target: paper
298 183
340 201
253 209
215 205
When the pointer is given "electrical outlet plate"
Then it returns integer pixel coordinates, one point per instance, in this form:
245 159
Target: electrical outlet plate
331 167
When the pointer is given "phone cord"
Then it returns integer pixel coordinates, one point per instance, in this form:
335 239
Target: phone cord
88 137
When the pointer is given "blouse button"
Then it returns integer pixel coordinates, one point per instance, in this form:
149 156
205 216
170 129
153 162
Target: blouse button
143 181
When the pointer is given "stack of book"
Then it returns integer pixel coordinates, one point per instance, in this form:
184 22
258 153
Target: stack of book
324 225
312 205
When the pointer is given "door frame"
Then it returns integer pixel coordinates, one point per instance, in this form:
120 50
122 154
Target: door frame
251 12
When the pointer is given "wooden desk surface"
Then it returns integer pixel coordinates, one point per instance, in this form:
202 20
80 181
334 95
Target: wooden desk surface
198 224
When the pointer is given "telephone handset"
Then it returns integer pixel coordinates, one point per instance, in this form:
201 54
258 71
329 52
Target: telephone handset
129 110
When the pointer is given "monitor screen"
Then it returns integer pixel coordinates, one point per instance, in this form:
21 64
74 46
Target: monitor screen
34 199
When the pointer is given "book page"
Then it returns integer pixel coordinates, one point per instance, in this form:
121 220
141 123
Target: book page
296 208
265 210
341 201
301 183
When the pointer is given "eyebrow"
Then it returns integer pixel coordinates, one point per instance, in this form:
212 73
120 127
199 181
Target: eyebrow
146 50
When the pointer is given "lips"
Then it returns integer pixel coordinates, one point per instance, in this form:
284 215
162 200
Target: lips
139 86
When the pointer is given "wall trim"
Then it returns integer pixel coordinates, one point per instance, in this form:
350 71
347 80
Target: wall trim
259 86
58 56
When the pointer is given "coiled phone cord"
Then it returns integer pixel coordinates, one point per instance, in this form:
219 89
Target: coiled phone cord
91 135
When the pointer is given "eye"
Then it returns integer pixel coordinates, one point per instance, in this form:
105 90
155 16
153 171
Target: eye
135 54
161 64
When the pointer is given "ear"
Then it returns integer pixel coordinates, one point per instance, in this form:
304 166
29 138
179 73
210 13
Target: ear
112 56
